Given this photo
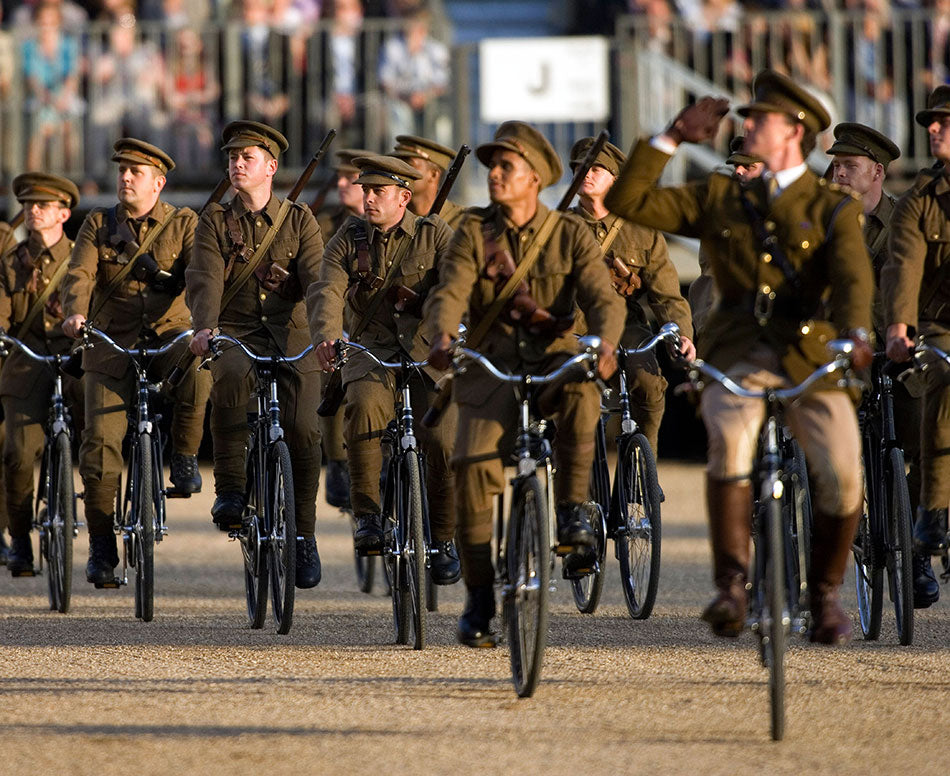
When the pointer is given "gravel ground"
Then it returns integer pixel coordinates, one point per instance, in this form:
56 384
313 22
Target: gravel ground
197 691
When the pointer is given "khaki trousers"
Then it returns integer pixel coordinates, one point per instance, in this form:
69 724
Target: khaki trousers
935 433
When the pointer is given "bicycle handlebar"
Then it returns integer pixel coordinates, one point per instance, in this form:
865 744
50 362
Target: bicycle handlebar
842 350
344 346
922 347
7 339
256 358
133 353
588 357
668 333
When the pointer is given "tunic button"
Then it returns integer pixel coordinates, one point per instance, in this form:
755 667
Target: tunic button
806 328
259 222
770 226
395 315
805 245
46 261
935 237
263 319
766 257
263 297
257 245
522 344
726 232
389 263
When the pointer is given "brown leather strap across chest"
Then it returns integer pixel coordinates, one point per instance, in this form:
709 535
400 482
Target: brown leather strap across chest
364 267
239 249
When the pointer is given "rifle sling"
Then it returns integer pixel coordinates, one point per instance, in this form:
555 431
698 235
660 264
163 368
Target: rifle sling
257 255
612 231
508 290
129 266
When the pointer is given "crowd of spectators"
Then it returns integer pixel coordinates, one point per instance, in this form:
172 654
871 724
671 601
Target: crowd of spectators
76 75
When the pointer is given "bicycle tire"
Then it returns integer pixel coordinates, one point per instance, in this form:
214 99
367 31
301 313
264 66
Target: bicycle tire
638 539
256 575
143 528
282 536
868 572
802 517
417 551
587 590
776 620
432 593
61 515
527 565
898 546
393 562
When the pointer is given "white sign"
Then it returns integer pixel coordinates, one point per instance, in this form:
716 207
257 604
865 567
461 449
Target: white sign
544 79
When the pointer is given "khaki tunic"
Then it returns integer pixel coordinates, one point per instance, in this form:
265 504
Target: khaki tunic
569 272
918 248
268 322
370 402
133 306
819 227
876 231
7 241
25 385
452 214
330 219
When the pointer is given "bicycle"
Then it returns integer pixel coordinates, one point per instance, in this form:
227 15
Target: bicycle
55 508
140 506
405 509
776 609
268 531
883 542
630 512
526 544
926 357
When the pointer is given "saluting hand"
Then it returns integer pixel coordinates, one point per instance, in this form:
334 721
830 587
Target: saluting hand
698 122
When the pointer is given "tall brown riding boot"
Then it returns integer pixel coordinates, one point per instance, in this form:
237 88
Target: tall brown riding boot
832 538
729 506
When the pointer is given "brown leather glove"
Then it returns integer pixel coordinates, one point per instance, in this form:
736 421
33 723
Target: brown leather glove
622 278
698 122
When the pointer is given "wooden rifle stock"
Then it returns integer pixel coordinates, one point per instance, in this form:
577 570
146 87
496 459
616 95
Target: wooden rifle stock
219 191
442 399
305 176
317 204
448 180
17 219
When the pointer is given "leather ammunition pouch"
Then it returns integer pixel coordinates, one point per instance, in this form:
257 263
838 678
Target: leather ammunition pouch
624 280
146 269
271 276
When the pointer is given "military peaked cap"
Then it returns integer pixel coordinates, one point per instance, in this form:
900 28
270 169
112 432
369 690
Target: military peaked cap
385 171
737 154
776 93
134 151
610 158
345 157
859 140
43 187
243 134
938 106
411 146
530 145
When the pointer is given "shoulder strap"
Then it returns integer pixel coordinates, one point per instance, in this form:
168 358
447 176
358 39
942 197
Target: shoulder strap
123 273
508 290
255 256
364 267
398 255
612 231
40 302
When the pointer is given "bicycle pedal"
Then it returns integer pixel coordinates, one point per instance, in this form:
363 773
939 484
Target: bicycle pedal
113 585
25 573
564 549
369 553
172 493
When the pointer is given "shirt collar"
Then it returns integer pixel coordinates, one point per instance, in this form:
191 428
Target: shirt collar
785 178
155 214
269 211
407 225
884 208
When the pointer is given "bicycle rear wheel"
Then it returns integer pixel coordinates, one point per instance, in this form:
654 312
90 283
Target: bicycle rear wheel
394 537
801 518
868 571
416 548
775 618
256 576
527 564
143 527
282 535
61 516
587 589
638 537
898 546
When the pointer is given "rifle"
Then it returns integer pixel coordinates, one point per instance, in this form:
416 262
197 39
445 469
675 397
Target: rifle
17 219
334 390
432 415
258 254
317 204
219 191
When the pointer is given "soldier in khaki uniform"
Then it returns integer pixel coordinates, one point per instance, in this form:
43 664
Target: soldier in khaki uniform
266 313
860 156
703 297
640 267
146 304
337 487
766 330
916 286
26 272
431 160
341 298
569 271
7 242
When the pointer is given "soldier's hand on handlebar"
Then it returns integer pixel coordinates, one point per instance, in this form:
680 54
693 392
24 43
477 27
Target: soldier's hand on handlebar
606 360
687 349
326 355
440 352
200 343
863 353
72 326
698 122
899 346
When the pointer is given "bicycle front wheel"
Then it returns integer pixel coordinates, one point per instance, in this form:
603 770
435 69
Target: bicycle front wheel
868 571
775 620
61 515
898 546
527 565
416 549
143 527
638 536
282 535
587 589
253 552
